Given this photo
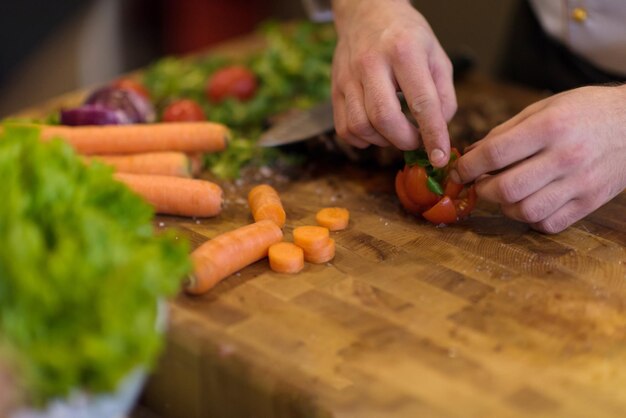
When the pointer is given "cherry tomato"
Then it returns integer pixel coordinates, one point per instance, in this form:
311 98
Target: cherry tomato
183 110
452 189
465 206
416 186
234 81
131 84
403 197
419 189
443 212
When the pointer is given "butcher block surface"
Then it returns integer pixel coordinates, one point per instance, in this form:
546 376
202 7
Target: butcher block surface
485 318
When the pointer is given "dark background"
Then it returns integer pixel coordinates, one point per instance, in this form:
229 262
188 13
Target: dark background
51 47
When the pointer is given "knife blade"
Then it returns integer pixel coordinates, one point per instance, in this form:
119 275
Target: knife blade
300 125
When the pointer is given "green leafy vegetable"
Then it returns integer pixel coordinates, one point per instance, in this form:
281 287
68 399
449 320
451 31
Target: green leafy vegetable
293 71
80 269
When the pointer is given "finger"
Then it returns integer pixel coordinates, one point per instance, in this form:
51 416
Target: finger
519 181
541 204
357 121
444 83
341 126
518 118
415 81
570 212
385 112
499 151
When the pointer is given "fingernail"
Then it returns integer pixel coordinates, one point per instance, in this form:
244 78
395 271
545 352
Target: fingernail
454 176
437 155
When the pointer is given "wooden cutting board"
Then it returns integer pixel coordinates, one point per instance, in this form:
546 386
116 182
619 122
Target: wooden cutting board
483 318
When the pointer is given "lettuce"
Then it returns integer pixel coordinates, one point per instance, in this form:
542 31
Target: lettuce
81 270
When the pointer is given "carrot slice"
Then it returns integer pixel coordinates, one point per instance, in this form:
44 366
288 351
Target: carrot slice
311 238
175 195
265 203
138 138
286 257
321 255
175 164
335 219
230 252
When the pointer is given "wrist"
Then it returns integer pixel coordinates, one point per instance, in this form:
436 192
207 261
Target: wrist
346 11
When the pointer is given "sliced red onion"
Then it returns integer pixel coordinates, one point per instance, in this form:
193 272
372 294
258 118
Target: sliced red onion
138 108
90 114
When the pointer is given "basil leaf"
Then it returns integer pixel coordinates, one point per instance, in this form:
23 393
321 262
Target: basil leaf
416 157
434 186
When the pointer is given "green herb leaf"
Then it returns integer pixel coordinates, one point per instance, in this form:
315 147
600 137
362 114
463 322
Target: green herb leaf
418 157
434 186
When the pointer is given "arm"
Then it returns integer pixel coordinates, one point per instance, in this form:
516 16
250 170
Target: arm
556 161
383 47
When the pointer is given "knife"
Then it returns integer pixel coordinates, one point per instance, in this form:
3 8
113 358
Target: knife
301 125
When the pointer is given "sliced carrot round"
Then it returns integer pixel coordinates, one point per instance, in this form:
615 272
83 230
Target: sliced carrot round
321 255
335 219
286 257
311 237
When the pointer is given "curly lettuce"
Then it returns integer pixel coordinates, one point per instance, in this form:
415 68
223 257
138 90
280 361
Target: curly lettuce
81 270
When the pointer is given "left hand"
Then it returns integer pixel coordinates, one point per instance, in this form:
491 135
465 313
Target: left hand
556 161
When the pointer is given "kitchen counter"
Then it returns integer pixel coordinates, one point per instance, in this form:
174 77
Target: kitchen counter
482 318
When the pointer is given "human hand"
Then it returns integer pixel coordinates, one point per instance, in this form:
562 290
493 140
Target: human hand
561 158
383 47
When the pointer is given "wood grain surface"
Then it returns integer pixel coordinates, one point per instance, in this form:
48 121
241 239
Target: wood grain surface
481 319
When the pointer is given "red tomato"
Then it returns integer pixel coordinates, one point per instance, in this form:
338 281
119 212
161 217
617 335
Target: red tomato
131 84
416 186
466 205
233 81
443 212
403 197
452 189
183 110
415 195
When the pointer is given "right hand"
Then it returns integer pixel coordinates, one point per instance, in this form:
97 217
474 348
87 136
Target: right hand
384 47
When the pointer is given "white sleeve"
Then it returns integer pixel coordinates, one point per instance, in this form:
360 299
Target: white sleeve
319 10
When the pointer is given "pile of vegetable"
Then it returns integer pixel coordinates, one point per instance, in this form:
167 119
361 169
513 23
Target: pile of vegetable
81 270
292 71
427 191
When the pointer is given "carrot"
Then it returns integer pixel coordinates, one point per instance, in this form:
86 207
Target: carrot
310 238
175 195
133 139
286 257
175 164
335 219
265 203
321 255
229 252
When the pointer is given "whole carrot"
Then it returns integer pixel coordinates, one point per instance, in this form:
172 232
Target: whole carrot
229 252
175 195
177 164
132 139
265 203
